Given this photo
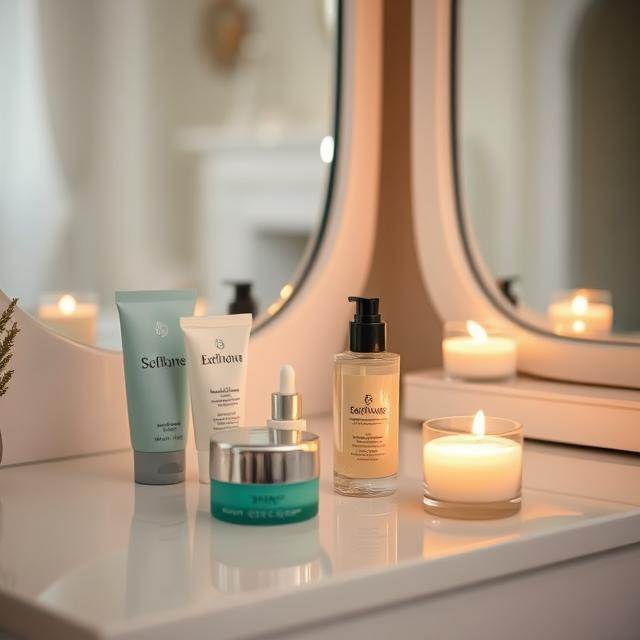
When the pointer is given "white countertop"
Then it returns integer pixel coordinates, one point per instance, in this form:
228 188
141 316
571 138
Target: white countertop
85 553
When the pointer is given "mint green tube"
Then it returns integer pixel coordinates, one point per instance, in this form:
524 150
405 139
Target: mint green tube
155 379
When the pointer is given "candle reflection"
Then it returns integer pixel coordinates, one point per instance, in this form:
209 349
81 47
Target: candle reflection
581 312
72 315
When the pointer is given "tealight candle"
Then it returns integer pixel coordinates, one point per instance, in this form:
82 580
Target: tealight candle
581 312
472 466
473 352
72 315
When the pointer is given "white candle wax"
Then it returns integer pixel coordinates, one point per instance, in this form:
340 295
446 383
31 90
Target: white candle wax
594 317
491 358
76 321
469 468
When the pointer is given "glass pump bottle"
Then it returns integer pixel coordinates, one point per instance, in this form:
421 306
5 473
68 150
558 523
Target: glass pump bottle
366 407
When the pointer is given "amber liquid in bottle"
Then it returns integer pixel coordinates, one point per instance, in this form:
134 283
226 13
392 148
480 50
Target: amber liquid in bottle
366 408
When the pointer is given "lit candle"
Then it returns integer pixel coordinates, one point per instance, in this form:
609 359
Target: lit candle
200 309
472 468
474 354
71 318
582 312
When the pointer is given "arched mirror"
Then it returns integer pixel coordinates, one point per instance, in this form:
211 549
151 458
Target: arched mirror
513 224
546 97
153 144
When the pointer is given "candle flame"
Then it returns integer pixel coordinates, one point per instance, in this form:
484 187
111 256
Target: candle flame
478 428
579 305
67 304
476 331
286 291
579 326
200 309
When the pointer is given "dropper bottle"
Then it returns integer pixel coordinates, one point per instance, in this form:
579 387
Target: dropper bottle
286 404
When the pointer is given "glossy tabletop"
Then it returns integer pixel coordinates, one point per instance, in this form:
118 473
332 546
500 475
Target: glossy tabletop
86 553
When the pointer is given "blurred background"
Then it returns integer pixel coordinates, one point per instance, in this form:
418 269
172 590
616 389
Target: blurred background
549 149
160 144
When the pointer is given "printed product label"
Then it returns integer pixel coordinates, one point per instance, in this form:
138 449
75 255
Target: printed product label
369 426
226 411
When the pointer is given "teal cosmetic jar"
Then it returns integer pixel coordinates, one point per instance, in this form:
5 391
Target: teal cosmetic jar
262 476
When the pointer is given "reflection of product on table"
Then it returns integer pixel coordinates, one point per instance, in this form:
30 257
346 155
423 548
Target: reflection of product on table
581 312
73 315
264 557
366 533
471 351
202 531
158 559
444 536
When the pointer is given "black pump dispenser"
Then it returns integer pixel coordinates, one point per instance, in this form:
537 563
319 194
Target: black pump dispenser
367 332
243 302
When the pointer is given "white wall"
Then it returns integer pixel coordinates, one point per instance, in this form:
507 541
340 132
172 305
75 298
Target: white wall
515 130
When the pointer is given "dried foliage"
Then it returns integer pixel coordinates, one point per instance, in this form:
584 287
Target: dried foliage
8 333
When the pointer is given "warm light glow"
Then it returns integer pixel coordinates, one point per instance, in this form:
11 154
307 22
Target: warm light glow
67 304
579 305
478 428
476 331
579 326
326 149
274 308
286 291
201 307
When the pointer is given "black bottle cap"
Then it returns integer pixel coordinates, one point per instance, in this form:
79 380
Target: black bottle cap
367 332
506 286
242 302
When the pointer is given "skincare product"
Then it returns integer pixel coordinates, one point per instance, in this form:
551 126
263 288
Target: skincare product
217 354
365 407
155 379
262 476
243 301
286 404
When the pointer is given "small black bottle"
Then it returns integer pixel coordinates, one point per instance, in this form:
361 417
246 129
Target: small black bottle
243 302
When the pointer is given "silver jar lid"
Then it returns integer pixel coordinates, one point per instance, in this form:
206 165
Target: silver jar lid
264 456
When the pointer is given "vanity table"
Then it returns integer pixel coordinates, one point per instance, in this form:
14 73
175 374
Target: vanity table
85 553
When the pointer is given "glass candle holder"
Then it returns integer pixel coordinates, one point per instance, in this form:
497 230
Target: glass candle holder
71 313
581 312
472 467
472 351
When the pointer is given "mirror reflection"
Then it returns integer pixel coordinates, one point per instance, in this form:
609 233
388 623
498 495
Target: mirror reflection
154 144
547 97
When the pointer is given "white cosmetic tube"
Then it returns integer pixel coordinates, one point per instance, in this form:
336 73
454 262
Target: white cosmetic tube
217 350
